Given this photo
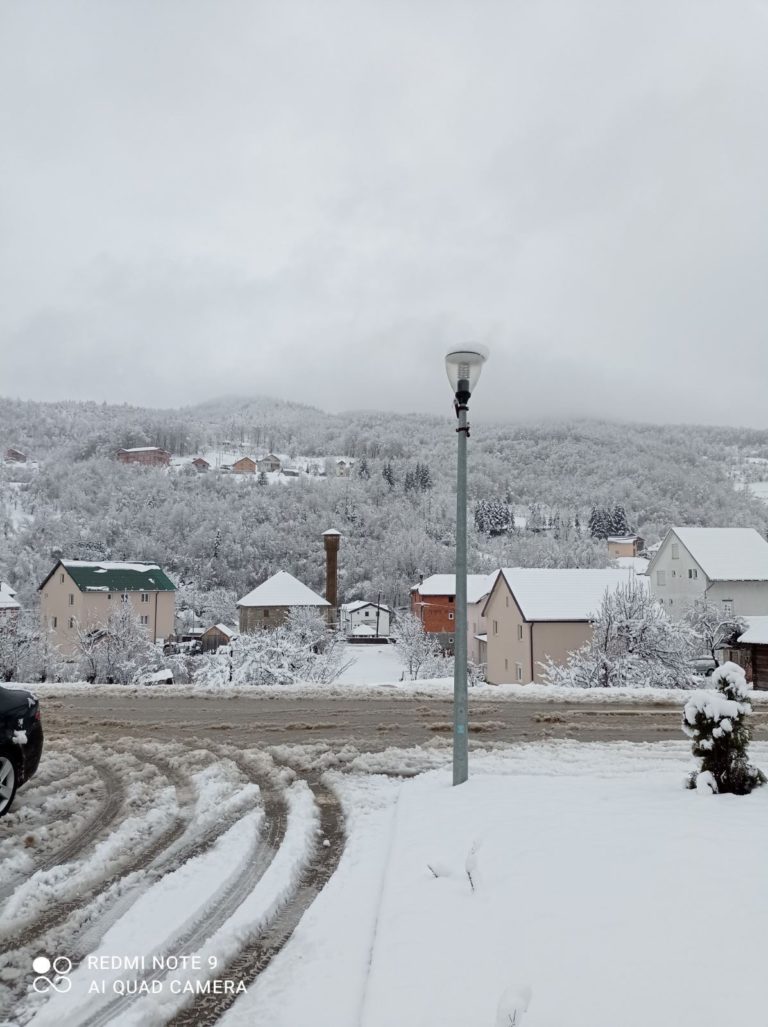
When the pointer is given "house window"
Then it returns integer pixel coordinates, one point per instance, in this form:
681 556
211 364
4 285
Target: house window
519 668
495 627
71 622
519 632
109 596
450 615
54 622
145 597
145 619
675 551
693 573
451 599
661 577
507 599
124 597
728 607
506 664
266 613
71 599
61 578
674 574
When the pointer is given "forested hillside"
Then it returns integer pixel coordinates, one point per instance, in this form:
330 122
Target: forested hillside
217 532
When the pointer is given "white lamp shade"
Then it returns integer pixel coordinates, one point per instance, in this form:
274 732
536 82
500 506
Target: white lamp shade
464 367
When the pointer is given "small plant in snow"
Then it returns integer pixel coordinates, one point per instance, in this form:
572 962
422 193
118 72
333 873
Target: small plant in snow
470 865
512 1007
716 721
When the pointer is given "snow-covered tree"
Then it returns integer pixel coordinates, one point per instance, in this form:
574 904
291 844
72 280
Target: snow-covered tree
493 517
711 629
301 649
716 722
416 648
634 644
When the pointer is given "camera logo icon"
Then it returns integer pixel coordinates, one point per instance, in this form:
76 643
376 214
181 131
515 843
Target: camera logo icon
52 975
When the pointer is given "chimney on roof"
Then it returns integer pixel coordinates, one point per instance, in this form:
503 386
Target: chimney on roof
331 539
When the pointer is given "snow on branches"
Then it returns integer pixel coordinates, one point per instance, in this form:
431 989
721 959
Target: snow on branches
716 722
633 645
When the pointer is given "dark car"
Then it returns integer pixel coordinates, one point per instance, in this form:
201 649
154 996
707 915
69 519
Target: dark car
21 741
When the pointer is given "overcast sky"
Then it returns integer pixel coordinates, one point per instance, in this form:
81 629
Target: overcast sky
315 200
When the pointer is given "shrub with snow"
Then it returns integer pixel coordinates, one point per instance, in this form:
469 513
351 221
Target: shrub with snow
418 650
634 645
716 721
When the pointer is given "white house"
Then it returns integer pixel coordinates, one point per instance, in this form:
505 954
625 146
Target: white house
361 619
727 566
9 607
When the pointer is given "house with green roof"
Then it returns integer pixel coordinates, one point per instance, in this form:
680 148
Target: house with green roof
79 595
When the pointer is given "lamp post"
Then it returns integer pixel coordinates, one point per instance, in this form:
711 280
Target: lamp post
463 367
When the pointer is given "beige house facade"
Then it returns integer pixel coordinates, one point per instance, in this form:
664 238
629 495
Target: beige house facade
624 545
79 595
534 615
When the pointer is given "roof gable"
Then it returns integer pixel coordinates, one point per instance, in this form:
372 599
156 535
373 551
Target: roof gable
282 589
724 554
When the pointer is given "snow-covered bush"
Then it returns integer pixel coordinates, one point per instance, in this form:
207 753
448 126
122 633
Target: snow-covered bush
301 649
419 651
711 630
117 651
634 644
716 722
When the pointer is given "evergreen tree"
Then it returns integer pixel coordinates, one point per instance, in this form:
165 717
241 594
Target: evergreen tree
619 525
716 722
389 475
362 469
262 479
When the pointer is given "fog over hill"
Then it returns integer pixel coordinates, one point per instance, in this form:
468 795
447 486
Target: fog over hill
396 510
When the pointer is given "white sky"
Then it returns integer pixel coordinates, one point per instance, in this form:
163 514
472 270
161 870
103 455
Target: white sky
314 200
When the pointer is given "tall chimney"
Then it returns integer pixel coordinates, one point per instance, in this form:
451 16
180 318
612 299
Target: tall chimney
331 540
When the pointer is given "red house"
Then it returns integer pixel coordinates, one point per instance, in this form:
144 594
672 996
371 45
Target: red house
150 456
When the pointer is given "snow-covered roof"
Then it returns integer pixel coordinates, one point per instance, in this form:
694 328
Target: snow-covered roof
331 531
7 602
757 631
5 589
478 585
145 449
563 594
727 554
282 589
360 604
225 629
104 566
638 564
623 538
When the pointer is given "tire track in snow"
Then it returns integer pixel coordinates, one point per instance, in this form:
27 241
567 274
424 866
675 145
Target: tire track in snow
223 903
54 917
207 1009
96 827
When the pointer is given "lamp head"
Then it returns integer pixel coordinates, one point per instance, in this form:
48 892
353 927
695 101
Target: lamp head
464 367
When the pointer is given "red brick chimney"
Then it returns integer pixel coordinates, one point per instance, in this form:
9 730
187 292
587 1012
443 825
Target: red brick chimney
331 539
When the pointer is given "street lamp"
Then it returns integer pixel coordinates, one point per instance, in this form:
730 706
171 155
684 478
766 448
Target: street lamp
463 367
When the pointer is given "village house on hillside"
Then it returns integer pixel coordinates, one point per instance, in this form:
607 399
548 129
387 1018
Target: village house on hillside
201 464
538 614
149 456
79 594
433 601
727 566
269 463
625 545
245 465
15 456
363 619
269 604
215 636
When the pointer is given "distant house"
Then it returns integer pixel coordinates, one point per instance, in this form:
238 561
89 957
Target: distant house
268 605
344 468
269 463
727 566
201 464
245 465
534 615
149 456
290 472
625 545
433 601
362 614
15 456
217 635
80 594
9 607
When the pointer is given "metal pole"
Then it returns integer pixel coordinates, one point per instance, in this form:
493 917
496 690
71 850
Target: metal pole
460 713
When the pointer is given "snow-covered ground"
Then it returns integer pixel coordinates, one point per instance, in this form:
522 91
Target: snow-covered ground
371 665
617 897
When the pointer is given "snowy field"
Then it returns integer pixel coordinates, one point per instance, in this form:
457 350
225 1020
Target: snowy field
597 882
